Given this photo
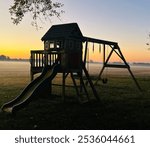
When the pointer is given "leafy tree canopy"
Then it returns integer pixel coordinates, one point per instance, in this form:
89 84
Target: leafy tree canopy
39 10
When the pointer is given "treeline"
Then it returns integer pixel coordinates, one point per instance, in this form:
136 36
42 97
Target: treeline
7 58
3 57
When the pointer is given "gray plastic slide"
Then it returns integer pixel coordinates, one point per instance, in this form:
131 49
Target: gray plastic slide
28 93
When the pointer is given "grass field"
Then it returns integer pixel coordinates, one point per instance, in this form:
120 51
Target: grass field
123 105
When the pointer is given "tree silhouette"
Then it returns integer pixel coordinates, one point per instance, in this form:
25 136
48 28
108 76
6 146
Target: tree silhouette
148 43
39 10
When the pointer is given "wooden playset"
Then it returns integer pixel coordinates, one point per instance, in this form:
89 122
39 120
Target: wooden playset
64 53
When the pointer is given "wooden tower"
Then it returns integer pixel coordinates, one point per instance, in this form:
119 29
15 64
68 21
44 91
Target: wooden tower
63 46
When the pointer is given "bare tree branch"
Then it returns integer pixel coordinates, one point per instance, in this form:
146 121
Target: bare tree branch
39 10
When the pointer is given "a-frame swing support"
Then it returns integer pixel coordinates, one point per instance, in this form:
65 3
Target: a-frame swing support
114 48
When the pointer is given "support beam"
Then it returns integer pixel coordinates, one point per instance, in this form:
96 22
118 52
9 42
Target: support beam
75 85
85 53
63 86
84 87
116 66
105 64
100 74
100 41
31 76
118 54
104 54
90 82
134 79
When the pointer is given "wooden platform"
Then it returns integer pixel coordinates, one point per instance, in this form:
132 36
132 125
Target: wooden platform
41 58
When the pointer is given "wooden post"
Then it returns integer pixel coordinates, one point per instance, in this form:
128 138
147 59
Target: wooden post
31 62
128 67
31 75
81 84
42 60
84 87
104 54
75 85
63 86
50 87
85 53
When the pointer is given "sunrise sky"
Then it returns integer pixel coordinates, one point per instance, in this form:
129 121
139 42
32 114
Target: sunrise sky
124 21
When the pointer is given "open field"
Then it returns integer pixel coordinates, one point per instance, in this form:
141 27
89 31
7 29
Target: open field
123 105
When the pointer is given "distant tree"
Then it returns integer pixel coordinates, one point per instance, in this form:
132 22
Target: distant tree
7 58
39 10
148 43
3 57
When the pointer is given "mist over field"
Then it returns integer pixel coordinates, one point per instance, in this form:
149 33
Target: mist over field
124 106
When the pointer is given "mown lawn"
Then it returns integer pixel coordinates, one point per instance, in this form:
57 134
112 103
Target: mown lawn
123 107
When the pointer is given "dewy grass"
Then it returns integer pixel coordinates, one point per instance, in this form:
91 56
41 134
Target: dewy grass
124 106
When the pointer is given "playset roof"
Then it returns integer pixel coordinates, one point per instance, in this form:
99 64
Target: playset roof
63 31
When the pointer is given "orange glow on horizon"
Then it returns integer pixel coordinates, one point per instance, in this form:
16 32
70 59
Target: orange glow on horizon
19 47
16 49
130 56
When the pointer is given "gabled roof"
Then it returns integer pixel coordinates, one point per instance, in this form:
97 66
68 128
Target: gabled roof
63 31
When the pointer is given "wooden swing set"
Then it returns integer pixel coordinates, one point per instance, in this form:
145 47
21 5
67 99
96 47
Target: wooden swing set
114 49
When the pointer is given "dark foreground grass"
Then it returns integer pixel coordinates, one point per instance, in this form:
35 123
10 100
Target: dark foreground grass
123 107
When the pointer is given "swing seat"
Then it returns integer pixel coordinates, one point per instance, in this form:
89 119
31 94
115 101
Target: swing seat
104 80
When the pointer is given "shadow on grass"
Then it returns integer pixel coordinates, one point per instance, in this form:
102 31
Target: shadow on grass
124 107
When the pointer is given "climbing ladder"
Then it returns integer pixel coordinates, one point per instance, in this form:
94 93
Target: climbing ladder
81 89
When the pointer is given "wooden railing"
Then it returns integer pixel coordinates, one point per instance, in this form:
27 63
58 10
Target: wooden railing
40 58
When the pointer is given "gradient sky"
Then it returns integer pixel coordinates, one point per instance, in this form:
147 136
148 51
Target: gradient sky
124 21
